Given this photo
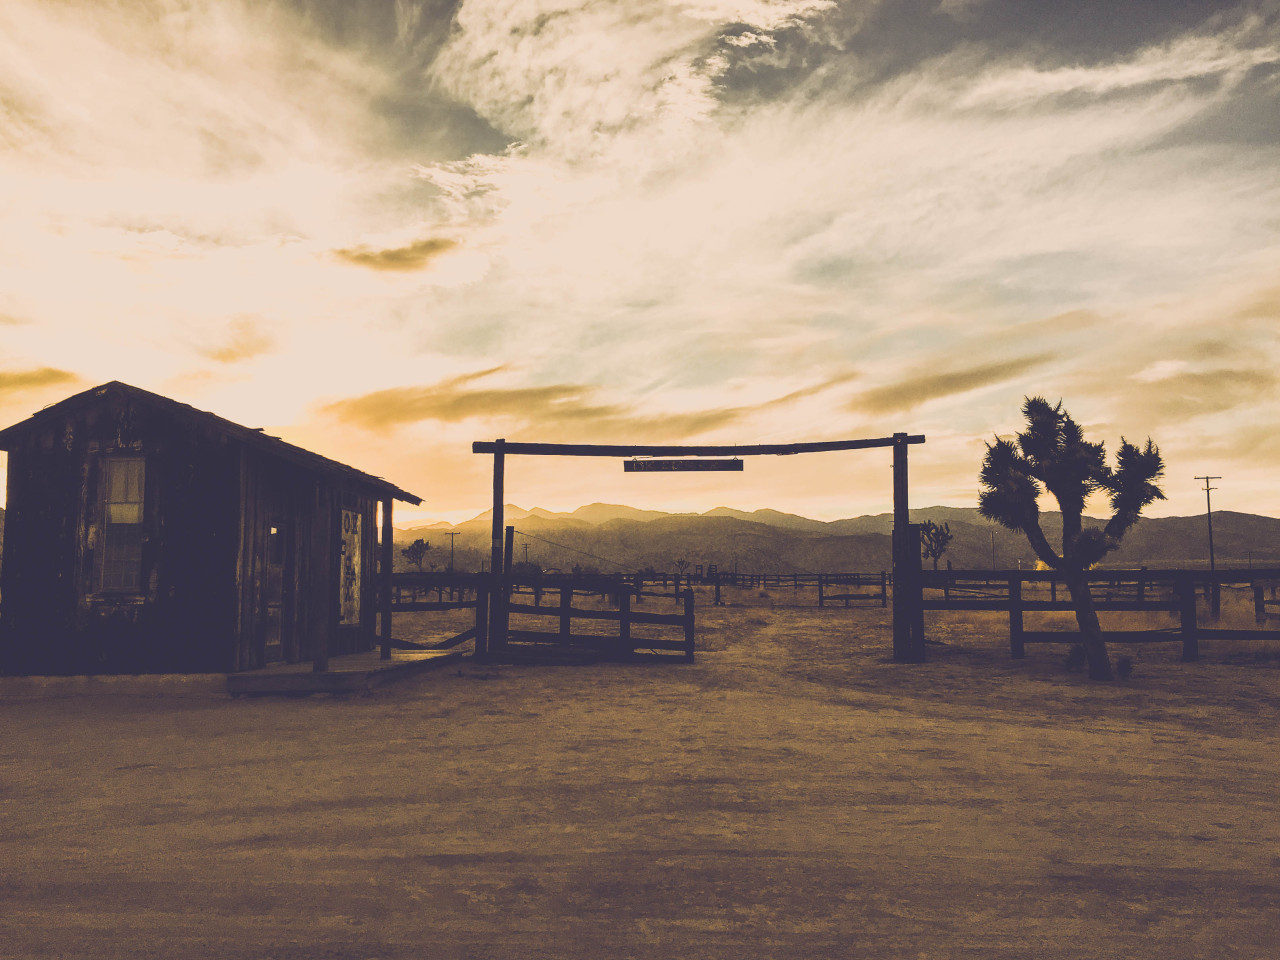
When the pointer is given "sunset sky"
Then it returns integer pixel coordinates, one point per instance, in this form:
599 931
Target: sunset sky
382 230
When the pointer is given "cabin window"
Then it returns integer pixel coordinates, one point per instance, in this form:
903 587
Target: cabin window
122 527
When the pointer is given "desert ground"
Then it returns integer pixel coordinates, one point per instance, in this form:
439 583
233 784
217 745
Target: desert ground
791 794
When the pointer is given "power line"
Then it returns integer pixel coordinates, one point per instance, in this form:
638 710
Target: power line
623 566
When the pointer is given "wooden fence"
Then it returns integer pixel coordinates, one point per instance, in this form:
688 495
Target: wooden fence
466 591
624 645
1170 591
457 591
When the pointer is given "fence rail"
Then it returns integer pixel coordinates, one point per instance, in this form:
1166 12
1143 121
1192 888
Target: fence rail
624 645
1169 591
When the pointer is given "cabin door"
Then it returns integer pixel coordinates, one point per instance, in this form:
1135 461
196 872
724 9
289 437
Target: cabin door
275 589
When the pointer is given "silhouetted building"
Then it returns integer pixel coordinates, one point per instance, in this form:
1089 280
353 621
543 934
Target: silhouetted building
143 535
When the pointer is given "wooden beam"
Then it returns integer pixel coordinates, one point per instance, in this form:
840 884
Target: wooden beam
388 559
497 595
498 447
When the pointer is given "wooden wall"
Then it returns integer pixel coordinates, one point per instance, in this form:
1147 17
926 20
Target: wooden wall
200 606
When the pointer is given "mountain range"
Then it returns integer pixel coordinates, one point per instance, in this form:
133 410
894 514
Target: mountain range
612 537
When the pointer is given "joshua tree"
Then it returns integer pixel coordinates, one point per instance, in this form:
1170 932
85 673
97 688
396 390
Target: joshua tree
416 552
1051 453
934 541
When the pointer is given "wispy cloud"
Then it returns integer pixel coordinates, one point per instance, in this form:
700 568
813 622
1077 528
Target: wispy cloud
245 339
549 409
414 256
14 381
929 385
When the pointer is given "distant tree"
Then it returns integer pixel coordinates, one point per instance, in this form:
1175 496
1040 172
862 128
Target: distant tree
934 541
682 565
1051 453
416 552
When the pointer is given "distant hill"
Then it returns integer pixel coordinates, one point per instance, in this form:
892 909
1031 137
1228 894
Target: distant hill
610 537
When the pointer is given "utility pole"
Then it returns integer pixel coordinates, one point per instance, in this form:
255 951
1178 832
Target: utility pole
526 553
1208 513
993 547
451 534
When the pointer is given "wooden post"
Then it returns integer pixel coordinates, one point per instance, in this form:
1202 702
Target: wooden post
688 625
1259 604
1215 600
821 599
624 622
388 560
639 588
917 597
1142 584
330 510
497 638
482 621
1187 608
718 602
906 647
946 584
884 589
566 602
1017 649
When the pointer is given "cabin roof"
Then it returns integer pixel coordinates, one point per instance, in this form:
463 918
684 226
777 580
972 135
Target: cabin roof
250 437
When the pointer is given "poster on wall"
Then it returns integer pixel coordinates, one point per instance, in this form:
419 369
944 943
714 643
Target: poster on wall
350 586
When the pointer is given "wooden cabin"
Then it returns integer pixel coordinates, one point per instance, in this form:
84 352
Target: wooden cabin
145 536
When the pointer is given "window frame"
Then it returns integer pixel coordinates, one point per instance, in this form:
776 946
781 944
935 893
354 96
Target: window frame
110 580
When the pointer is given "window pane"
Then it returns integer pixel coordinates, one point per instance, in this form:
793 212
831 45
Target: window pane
124 481
124 513
122 557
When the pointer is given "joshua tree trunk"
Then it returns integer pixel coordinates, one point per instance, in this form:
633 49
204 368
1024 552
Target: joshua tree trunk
1095 648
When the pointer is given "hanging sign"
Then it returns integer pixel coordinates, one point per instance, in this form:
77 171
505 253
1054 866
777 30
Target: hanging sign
676 466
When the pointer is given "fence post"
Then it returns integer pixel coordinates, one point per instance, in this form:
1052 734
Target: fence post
946 584
1142 584
639 588
482 622
624 622
1016 648
1187 609
820 598
566 601
688 624
718 602
1259 604
1215 600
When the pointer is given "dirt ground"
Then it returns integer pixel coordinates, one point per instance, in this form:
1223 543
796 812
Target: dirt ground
792 794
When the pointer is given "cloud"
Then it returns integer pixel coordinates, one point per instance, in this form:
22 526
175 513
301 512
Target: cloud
19 380
454 400
932 385
246 340
415 256
554 410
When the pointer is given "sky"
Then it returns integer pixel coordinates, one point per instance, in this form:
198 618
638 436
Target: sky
384 230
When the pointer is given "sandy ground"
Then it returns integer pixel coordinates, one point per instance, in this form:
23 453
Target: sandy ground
793 794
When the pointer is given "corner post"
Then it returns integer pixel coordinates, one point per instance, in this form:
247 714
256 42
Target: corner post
908 645
497 637
387 562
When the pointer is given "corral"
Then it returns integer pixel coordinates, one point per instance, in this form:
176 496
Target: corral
793 793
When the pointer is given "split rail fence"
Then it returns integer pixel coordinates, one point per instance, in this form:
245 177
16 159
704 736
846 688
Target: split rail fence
1170 591
458 591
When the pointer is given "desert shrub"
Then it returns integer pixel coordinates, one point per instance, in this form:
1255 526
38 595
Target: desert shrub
1124 667
1075 660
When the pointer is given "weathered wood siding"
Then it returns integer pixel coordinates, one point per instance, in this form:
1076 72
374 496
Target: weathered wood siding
55 617
208 505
